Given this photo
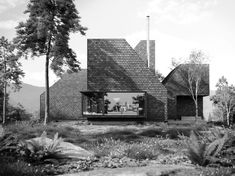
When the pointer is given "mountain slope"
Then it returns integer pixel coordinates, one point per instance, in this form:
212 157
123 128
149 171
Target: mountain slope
28 96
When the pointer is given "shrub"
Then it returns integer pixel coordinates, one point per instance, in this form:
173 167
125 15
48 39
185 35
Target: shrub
19 168
108 147
8 144
203 153
17 113
141 151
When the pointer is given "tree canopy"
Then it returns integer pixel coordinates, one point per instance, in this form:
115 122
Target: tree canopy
224 99
10 70
46 32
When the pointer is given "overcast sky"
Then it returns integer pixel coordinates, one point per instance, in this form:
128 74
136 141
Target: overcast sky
177 26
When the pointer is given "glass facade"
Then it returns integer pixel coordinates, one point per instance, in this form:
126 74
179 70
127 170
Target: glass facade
114 103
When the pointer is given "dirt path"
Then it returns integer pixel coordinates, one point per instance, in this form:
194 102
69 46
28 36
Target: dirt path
155 170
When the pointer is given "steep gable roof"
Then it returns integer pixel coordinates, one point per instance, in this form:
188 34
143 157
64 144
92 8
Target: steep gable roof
176 83
115 64
70 81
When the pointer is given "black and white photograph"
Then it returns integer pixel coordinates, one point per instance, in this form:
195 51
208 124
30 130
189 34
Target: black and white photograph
117 87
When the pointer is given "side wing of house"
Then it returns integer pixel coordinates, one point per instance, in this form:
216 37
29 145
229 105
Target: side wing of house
65 97
114 66
180 102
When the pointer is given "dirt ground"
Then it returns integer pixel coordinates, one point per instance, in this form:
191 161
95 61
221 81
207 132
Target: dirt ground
154 170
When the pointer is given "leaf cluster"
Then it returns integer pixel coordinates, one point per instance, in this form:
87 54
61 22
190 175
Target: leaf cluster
10 67
204 151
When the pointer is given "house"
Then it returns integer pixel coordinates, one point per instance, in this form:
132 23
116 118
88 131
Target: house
180 103
118 85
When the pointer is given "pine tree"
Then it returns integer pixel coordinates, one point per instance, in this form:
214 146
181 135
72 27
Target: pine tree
46 33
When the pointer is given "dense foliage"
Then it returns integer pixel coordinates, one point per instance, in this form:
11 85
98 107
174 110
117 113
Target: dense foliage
224 100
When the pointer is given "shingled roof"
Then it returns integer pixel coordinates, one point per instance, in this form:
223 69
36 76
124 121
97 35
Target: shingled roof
115 59
177 85
65 96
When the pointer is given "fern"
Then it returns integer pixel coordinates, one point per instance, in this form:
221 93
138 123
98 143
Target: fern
201 152
216 146
196 149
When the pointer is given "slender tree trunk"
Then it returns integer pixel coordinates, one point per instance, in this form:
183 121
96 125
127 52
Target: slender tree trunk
196 110
47 95
4 103
228 119
4 94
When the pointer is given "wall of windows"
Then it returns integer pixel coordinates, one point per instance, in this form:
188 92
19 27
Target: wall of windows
114 103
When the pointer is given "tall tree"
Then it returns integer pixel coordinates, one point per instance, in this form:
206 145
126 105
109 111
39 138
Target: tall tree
224 99
192 74
46 33
10 71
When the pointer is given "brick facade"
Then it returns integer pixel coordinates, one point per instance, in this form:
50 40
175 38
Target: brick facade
113 65
141 49
65 97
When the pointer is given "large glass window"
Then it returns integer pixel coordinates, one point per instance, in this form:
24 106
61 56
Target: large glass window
93 103
114 103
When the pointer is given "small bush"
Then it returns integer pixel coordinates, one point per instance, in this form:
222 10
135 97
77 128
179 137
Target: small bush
108 147
202 152
8 144
141 151
19 168
17 113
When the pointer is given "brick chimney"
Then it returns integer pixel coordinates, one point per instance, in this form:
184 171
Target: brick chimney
141 49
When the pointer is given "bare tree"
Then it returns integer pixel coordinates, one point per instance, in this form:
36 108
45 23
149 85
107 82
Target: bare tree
192 74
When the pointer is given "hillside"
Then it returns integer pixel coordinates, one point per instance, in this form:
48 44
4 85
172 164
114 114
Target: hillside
28 96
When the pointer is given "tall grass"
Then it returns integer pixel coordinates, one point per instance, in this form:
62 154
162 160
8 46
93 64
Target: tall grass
28 129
